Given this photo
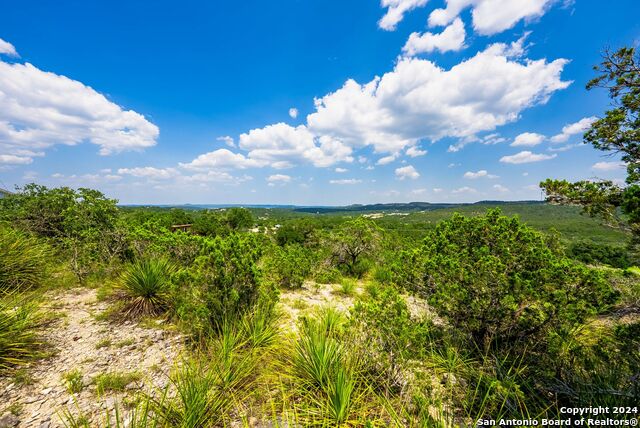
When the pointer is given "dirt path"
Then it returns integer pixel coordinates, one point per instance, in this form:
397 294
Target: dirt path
92 347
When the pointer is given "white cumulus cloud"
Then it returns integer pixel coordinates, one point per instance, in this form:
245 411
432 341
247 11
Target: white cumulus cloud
293 112
41 109
227 140
415 152
450 39
527 139
7 48
396 10
419 100
572 129
526 157
278 179
608 166
491 16
407 172
479 174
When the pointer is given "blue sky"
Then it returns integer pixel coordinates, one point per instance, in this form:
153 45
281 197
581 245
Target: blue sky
304 102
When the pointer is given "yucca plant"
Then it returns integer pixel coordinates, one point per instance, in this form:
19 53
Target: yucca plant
145 287
23 261
340 395
260 327
315 358
198 402
19 340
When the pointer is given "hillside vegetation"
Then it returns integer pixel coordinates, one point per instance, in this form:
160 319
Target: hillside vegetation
274 317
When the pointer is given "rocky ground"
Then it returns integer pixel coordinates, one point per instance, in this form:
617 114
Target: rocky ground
86 348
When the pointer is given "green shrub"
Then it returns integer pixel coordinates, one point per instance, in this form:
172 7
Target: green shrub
352 242
593 253
153 240
492 277
327 275
83 222
23 261
384 319
288 266
222 284
145 287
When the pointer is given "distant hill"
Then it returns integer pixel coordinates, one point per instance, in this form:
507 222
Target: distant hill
410 206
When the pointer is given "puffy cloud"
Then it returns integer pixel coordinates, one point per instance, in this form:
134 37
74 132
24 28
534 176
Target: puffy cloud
341 170
227 140
346 181
526 157
41 109
7 48
222 158
568 131
293 112
479 174
527 139
407 172
281 145
451 39
500 188
396 10
150 172
491 16
437 190
278 179
418 191
415 152
419 100
608 166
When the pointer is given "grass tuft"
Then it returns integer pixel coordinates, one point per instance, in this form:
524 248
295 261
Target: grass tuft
115 381
73 381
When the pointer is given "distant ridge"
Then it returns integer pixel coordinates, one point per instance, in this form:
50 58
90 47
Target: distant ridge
409 206
323 209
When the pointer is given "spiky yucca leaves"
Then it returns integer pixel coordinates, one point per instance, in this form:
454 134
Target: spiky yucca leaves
23 261
145 287
19 320
316 357
326 370
260 326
